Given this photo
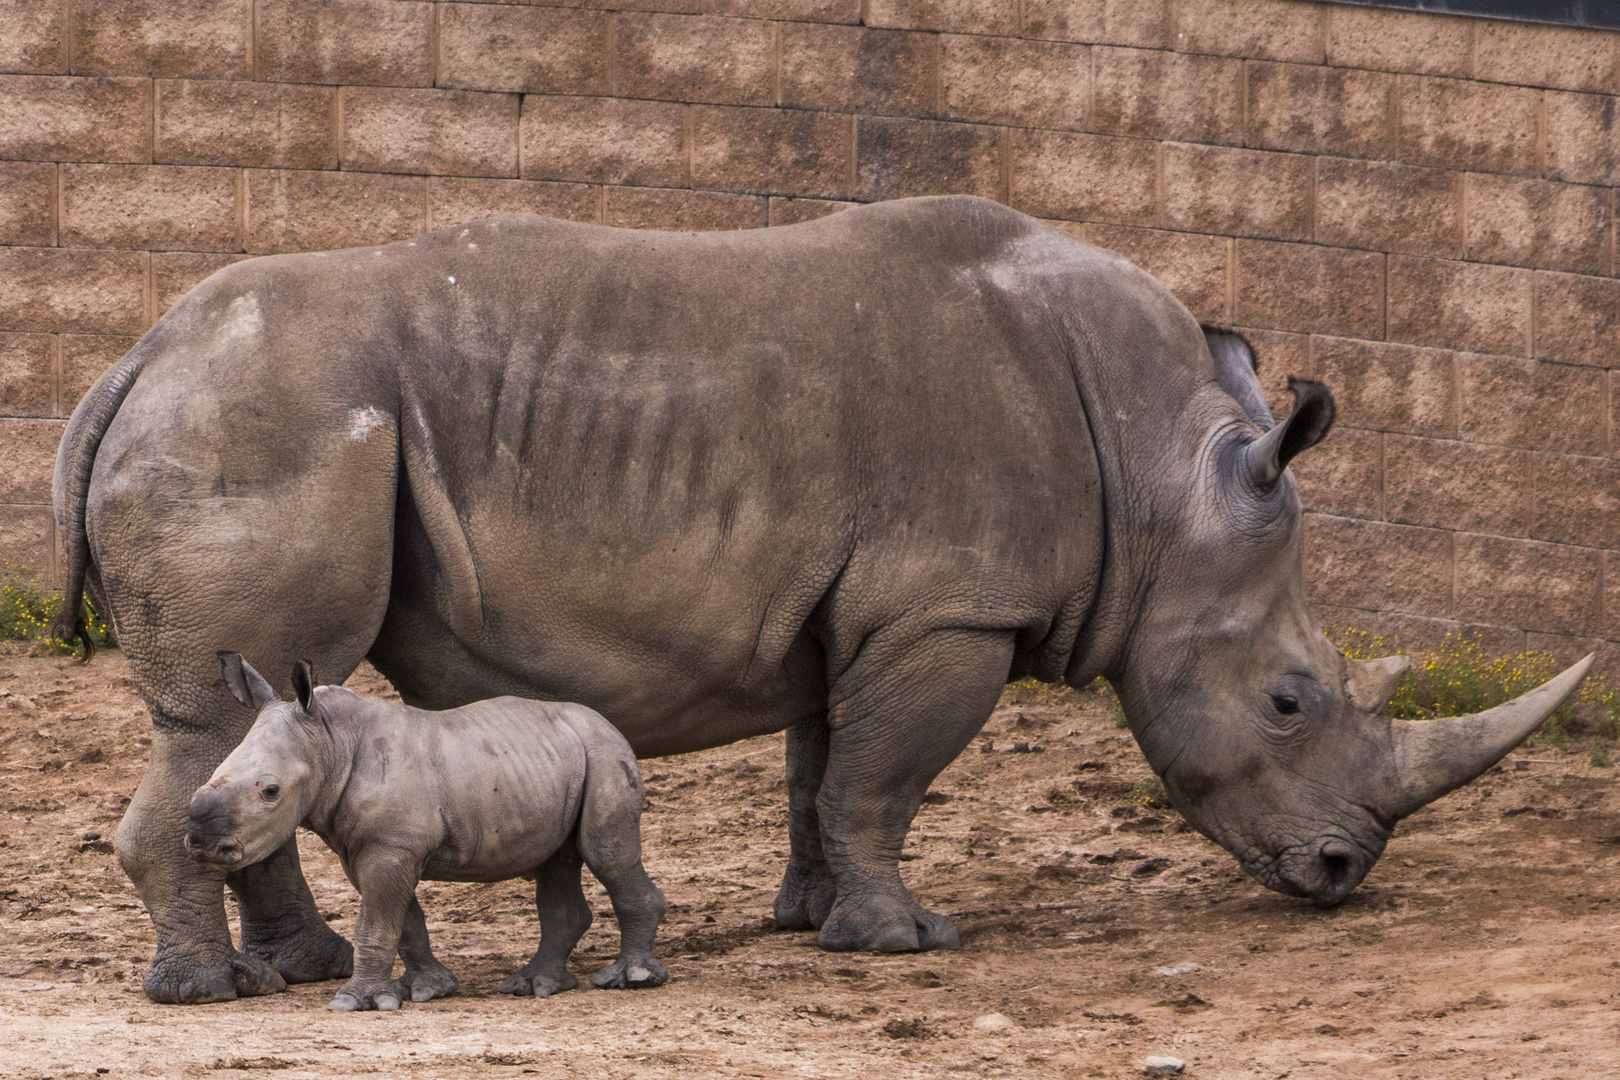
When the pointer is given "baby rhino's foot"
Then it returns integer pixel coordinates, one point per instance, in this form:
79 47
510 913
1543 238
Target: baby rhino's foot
354 998
430 981
631 975
524 983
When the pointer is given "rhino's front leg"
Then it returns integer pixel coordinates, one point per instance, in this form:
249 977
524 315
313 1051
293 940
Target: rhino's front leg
281 924
195 961
899 715
387 884
808 886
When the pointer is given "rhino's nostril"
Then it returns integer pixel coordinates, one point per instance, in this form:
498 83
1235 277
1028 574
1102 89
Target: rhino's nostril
1338 867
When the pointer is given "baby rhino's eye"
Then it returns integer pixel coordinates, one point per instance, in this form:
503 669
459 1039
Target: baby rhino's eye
270 791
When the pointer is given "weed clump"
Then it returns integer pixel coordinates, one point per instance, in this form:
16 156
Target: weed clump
29 607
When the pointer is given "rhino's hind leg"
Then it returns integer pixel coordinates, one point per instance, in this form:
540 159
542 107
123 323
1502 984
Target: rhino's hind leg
564 918
424 977
610 841
902 712
808 886
281 924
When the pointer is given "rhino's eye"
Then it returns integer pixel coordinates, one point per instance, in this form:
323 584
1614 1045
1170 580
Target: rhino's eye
1286 704
270 791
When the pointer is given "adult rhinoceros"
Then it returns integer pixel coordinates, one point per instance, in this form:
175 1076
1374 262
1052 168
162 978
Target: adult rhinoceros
844 479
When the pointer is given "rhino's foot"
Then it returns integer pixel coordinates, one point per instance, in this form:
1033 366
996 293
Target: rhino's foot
311 952
352 998
805 898
886 924
179 977
429 981
524 984
628 974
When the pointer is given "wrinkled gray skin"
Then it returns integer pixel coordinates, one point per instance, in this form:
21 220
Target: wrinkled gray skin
487 792
845 478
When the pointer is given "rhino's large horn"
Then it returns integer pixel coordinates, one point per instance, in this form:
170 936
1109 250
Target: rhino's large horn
1433 757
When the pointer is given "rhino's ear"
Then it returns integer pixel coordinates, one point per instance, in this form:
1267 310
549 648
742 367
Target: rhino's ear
1238 373
1265 459
303 680
245 684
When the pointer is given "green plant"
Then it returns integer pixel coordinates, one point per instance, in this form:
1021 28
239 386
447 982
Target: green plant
1596 756
1147 791
29 607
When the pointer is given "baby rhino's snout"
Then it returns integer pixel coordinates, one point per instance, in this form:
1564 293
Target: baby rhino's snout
210 831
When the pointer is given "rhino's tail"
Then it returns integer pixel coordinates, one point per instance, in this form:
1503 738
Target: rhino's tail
70 488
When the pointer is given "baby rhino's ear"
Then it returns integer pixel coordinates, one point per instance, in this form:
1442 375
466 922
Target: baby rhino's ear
245 684
303 680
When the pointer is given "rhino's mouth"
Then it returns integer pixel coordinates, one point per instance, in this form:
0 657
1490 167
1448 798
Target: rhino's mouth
218 848
1325 871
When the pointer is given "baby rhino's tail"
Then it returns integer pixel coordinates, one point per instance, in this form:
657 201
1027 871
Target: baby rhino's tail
610 843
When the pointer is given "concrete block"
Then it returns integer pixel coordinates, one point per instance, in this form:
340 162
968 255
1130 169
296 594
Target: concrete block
816 11
1583 138
453 200
857 69
1532 404
790 211
84 358
604 140
290 210
1388 634
1577 319
703 58
1279 355
1389 206
997 80
1310 288
261 125
1577 499
364 42
27 375
27 459
1153 94
536 50
46 118
1258 29
35 41
950 16
1342 475
200 39
1409 41
899 157
175 272
773 151
28 203
1060 174
1387 387
1530 54
1320 110
1140 23
1542 223
26 536
1196 268
1526 583
150 207
1371 564
1459 305
72 289
436 132
1445 484
685 211
1218 189
1461 124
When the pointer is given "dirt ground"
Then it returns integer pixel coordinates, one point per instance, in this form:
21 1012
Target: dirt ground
1481 946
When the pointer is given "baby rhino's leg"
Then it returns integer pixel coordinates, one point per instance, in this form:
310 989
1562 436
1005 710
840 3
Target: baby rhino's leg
387 893
564 918
424 978
610 840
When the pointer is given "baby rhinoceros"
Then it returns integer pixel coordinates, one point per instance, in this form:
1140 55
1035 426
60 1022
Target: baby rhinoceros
486 792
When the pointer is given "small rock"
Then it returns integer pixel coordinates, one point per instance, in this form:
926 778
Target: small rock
992 1022
1163 1066
1179 969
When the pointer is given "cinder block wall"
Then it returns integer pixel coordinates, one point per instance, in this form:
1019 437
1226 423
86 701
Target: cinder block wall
1417 209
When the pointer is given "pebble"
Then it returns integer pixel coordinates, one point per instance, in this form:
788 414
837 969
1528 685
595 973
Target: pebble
1163 1066
1179 969
992 1022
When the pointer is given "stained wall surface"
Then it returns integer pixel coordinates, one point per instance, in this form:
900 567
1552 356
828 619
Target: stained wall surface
1417 209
